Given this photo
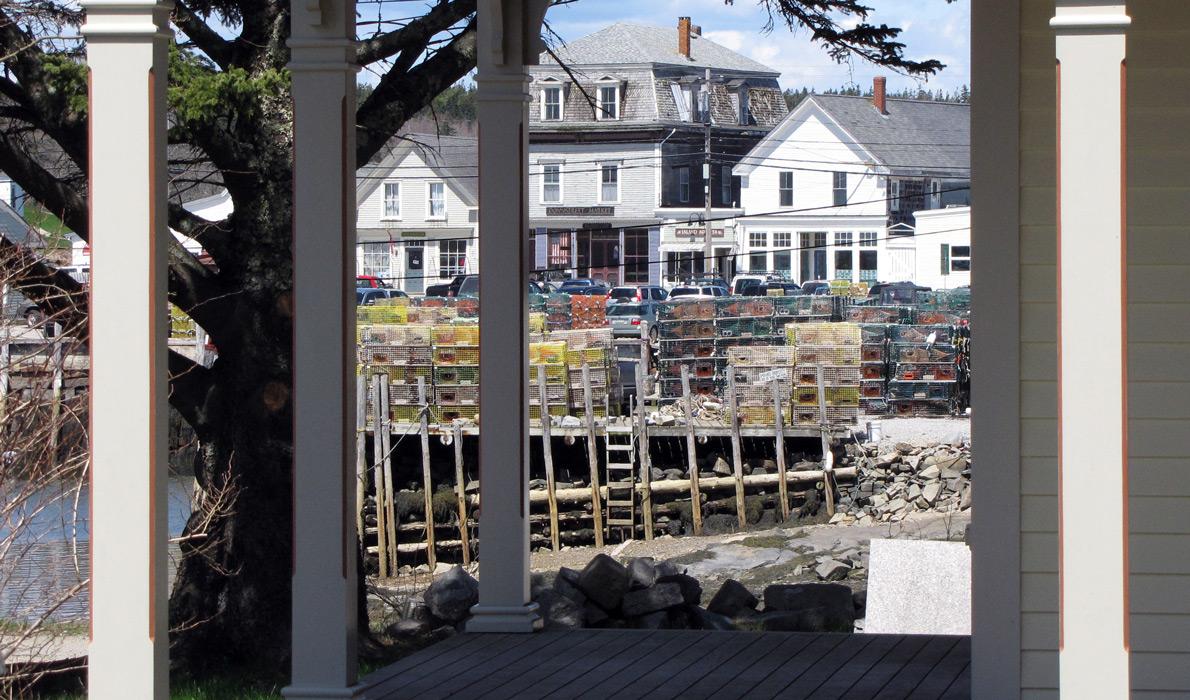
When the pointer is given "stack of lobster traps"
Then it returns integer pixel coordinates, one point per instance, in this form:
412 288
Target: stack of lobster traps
588 311
403 353
924 370
557 312
548 358
591 347
755 402
745 321
456 371
687 337
827 374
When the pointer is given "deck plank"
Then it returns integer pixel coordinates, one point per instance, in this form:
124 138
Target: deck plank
695 647
473 667
639 668
940 677
558 644
905 680
549 665
794 665
729 654
720 678
813 677
879 675
595 677
846 675
579 662
415 666
960 688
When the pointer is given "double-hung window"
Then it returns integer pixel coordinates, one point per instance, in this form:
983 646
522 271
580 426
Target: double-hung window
609 183
684 184
452 259
758 257
551 183
960 258
840 189
786 188
377 260
609 102
725 185
783 251
437 201
551 104
867 239
392 200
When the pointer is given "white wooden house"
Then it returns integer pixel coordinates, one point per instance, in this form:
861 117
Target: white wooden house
831 192
417 221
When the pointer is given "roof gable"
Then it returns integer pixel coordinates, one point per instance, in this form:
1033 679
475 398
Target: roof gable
807 110
915 137
454 159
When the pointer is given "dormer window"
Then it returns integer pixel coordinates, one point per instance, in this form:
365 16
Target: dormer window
551 103
608 106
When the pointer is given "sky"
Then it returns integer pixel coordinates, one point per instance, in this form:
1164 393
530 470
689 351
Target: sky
933 29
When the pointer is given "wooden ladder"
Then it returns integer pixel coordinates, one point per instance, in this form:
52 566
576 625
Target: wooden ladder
620 450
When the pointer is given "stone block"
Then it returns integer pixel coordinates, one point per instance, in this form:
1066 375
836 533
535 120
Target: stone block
653 599
451 596
732 599
919 587
604 580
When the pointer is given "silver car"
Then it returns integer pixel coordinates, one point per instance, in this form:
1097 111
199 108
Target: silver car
627 318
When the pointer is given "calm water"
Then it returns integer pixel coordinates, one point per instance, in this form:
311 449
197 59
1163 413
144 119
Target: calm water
50 555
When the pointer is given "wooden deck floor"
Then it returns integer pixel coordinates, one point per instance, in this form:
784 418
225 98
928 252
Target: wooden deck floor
624 664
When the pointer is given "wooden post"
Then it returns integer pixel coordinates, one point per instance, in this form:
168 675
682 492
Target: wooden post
390 488
427 484
828 489
737 456
461 494
691 454
592 456
378 477
646 466
779 433
361 459
547 451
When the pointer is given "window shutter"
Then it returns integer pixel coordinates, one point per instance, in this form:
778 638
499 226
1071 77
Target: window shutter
945 258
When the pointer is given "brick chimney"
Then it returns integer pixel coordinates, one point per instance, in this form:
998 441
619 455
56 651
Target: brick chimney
684 36
879 94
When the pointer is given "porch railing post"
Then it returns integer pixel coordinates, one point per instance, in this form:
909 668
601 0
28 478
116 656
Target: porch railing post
1093 606
126 54
322 65
509 39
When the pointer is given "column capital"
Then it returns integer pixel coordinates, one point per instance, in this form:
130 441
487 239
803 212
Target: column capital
321 55
126 19
1077 16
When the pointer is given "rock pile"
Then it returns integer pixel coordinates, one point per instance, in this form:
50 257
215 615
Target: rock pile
898 479
645 594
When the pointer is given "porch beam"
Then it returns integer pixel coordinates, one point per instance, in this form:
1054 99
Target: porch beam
1093 656
509 40
324 536
126 55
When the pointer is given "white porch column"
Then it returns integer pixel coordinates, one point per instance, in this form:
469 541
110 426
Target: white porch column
1092 348
509 40
126 52
324 539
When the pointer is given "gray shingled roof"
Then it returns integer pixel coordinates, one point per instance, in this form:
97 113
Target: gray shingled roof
623 43
914 136
454 158
15 230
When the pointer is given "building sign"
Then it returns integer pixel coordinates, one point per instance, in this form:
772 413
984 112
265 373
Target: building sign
700 233
580 211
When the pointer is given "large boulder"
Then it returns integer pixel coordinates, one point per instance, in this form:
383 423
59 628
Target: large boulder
451 596
642 572
691 588
604 580
720 524
653 599
732 599
822 607
708 620
559 612
812 620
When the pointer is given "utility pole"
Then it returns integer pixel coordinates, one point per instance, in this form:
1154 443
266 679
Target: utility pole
705 104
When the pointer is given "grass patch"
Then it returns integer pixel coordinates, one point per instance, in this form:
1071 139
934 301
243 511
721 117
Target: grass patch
224 689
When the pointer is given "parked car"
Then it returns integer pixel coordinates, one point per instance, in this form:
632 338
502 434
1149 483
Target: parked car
780 289
895 293
627 318
645 292
594 291
816 287
18 306
571 286
371 281
468 286
438 290
368 296
704 290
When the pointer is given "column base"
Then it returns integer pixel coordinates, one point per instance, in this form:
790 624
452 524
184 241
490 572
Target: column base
320 693
521 619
